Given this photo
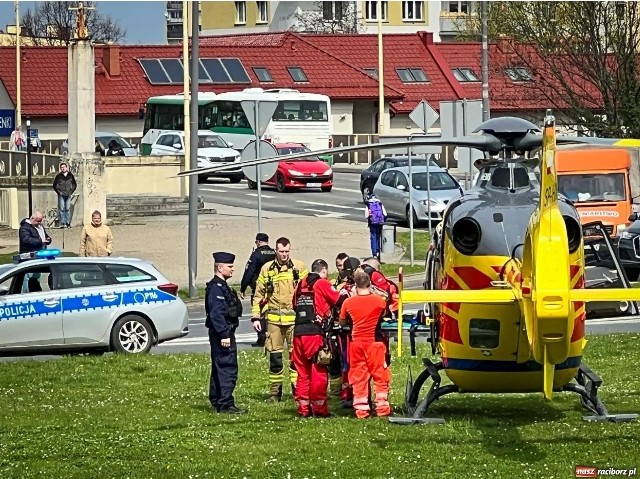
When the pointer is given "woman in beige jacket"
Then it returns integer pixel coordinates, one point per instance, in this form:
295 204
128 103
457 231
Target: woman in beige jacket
96 239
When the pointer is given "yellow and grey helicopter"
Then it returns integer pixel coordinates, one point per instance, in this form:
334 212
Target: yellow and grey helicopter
506 275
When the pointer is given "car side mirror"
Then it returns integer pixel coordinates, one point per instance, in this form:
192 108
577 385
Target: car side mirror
401 187
633 217
230 144
177 146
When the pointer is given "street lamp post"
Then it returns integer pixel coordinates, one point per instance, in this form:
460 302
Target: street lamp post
29 167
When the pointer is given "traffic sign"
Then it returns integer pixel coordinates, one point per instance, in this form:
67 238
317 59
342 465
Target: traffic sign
266 110
424 116
265 150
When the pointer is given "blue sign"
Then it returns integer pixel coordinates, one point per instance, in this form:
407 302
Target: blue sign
7 122
33 133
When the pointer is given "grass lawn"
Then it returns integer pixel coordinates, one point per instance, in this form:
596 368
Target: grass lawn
148 417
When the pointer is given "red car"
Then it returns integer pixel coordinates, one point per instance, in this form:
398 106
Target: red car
305 173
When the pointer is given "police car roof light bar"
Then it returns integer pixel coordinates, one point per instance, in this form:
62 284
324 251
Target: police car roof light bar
42 254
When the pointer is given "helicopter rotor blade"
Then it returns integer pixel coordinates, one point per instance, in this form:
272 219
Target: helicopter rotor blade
484 142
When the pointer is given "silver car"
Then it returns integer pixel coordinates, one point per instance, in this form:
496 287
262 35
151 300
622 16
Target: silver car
392 188
71 304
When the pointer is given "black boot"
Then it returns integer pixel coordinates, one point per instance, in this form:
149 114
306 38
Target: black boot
260 341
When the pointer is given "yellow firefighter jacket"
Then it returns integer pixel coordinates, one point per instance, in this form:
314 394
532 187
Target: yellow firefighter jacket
275 286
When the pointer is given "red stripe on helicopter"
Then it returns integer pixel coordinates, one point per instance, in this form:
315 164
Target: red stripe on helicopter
473 277
578 327
449 329
449 283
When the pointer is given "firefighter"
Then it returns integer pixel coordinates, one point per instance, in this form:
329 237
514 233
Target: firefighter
261 254
366 352
340 259
335 371
314 300
276 283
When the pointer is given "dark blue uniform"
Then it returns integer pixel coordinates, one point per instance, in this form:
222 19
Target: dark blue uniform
260 256
223 309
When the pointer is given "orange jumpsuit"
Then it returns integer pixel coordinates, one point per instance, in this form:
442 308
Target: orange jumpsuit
366 353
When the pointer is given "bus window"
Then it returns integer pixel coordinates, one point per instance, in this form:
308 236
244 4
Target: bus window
208 114
290 110
231 114
166 117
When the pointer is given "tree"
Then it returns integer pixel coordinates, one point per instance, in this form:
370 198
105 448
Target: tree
329 17
583 57
52 23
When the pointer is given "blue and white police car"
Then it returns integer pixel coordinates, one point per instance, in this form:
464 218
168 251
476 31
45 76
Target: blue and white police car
58 304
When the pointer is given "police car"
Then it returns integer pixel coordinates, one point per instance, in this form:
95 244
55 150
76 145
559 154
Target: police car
55 304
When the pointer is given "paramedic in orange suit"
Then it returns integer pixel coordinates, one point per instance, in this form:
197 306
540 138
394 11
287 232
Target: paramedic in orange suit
367 353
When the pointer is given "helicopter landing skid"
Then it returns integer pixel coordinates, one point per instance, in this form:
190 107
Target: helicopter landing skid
587 386
412 393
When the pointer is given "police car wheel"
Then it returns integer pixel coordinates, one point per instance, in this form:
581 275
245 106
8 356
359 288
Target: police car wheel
132 335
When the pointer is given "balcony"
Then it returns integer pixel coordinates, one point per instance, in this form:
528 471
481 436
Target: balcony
174 5
454 23
174 21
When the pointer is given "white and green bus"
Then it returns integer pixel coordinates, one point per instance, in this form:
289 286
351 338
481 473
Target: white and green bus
299 118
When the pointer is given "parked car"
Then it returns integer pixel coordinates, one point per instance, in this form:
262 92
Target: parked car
104 138
392 189
629 248
309 172
212 151
52 304
370 175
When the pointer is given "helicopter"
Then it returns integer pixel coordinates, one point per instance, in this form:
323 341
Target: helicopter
505 296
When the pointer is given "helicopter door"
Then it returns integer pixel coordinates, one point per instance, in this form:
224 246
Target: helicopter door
604 270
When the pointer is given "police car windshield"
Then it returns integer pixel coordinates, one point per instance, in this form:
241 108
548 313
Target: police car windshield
6 267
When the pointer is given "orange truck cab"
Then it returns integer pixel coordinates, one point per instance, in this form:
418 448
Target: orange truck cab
597 180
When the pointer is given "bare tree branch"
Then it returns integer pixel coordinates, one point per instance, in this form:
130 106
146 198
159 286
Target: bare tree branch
52 23
329 17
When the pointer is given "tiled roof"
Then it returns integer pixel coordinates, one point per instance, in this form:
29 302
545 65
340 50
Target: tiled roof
399 51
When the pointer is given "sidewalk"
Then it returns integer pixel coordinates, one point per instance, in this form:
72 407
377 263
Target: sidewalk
164 240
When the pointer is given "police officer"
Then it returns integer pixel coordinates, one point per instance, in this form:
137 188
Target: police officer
261 255
223 308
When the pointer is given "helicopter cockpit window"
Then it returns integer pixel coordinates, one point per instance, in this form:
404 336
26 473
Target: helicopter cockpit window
520 178
484 333
500 178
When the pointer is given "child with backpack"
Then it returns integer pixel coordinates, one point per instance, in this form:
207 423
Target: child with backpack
376 216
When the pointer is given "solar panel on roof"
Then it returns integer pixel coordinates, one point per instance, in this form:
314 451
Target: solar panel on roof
154 71
203 77
173 67
216 72
236 70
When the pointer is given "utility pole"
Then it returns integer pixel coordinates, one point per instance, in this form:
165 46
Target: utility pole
486 114
185 78
193 160
380 72
18 124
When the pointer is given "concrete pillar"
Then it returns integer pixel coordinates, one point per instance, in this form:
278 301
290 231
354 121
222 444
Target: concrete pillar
88 169
81 97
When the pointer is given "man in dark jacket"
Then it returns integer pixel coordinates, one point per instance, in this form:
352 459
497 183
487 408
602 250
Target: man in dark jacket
33 236
64 185
260 256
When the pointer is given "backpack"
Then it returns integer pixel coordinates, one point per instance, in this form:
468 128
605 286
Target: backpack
376 216
389 290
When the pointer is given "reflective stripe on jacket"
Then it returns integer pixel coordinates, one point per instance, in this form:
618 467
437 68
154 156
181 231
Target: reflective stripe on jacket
279 308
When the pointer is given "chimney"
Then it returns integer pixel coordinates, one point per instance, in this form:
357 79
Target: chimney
426 37
111 59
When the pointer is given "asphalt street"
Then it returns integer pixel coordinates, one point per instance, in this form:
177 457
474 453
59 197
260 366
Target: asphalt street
343 201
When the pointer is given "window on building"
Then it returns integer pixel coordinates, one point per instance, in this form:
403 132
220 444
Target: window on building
263 12
297 74
465 75
412 11
371 10
484 333
372 72
412 75
518 74
241 13
333 10
454 6
262 74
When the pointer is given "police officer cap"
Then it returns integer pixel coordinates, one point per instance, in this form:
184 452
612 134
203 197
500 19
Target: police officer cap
226 258
349 266
262 237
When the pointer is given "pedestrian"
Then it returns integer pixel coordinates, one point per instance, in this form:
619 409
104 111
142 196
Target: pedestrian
96 239
366 351
314 300
261 254
376 216
276 283
115 149
32 235
223 309
64 185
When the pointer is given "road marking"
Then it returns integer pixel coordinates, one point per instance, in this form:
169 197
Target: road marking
261 194
213 190
348 190
324 214
316 203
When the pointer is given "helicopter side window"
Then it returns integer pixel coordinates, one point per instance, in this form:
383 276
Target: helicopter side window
484 333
